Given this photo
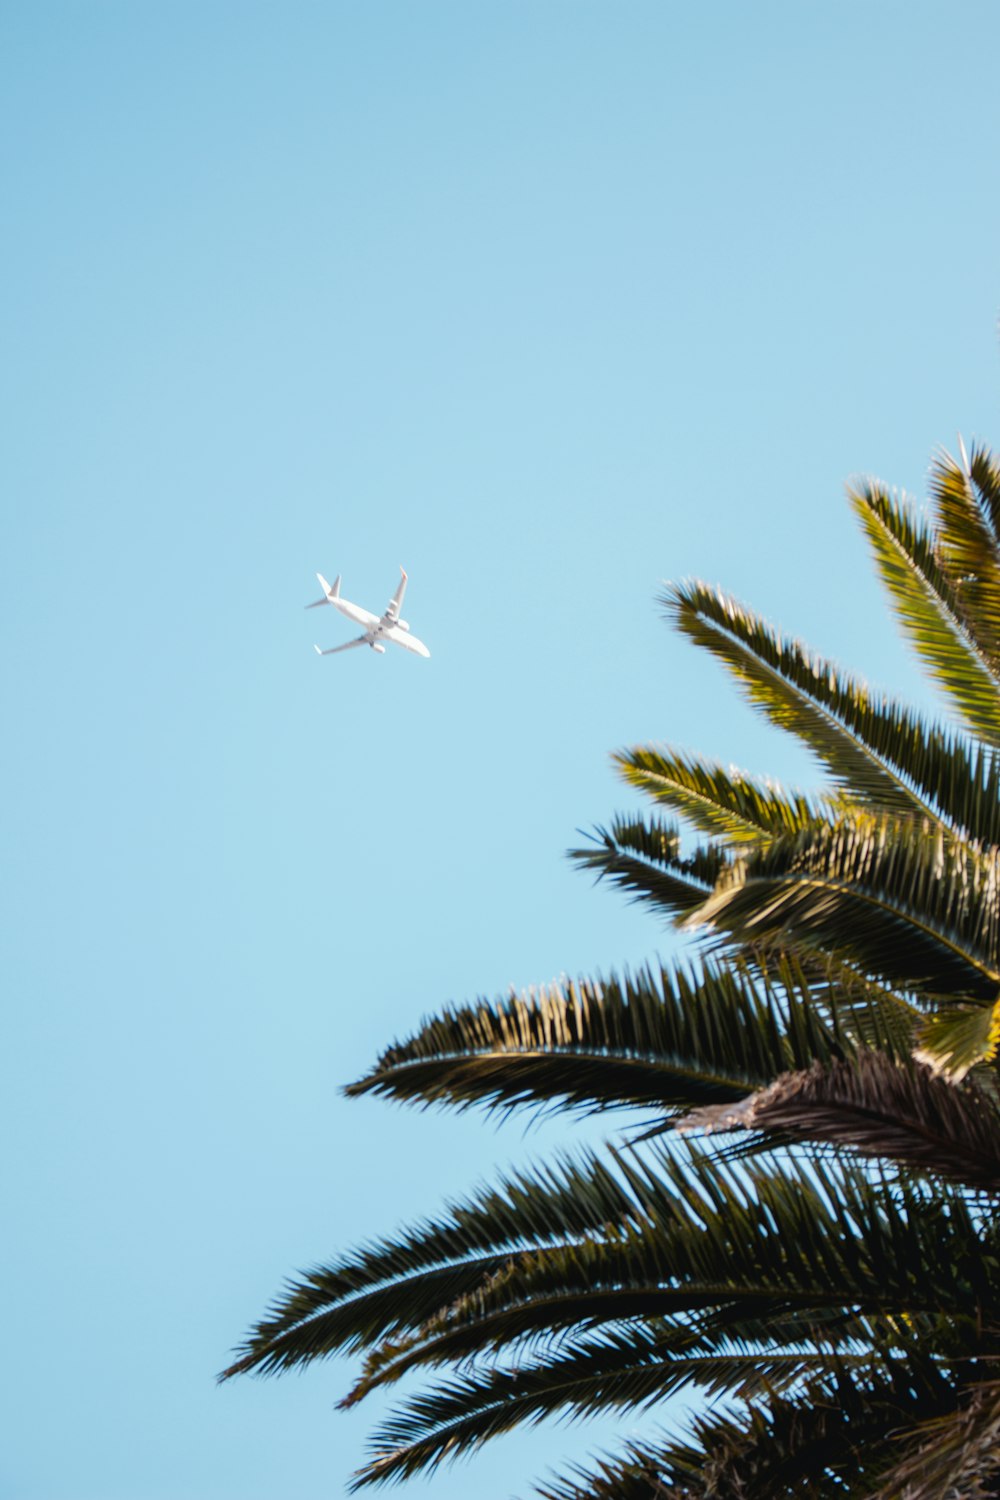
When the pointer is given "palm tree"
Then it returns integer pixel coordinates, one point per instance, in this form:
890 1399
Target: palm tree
802 1224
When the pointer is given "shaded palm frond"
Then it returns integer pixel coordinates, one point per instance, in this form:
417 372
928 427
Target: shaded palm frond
890 1110
868 1013
634 1473
658 1038
645 860
775 1451
820 1444
628 1369
928 602
774 1257
899 901
825 1442
394 1285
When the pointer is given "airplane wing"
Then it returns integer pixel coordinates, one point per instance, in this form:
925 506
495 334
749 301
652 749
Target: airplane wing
396 602
406 640
362 640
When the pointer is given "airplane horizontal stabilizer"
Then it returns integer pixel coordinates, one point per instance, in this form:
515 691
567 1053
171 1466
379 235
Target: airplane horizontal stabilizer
329 594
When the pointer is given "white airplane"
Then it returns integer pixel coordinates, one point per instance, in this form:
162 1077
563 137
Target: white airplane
387 627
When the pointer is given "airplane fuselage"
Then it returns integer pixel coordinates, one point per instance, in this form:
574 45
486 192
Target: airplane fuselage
363 618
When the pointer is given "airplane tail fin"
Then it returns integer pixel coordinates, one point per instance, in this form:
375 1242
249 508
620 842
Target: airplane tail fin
329 594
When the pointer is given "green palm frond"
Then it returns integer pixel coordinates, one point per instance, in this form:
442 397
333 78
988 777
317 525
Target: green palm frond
901 902
826 1443
984 471
801 1271
390 1287
875 750
781 1450
891 1110
658 1038
929 602
644 859
870 1014
728 804
834 1446
773 1257
628 1236
954 1040
634 1473
626 1369
633 1367
963 494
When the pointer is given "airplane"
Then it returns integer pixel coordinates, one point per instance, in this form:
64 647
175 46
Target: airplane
387 627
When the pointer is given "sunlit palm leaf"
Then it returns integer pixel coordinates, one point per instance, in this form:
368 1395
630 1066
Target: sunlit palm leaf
929 608
963 495
984 470
954 1040
901 902
658 1038
874 749
729 804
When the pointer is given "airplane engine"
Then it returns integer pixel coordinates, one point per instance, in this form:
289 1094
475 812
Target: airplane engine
402 625
377 646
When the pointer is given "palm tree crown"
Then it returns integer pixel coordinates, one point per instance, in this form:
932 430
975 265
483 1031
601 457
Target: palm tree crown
803 1227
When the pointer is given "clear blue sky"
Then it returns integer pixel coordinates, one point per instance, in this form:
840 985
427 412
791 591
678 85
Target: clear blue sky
548 301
